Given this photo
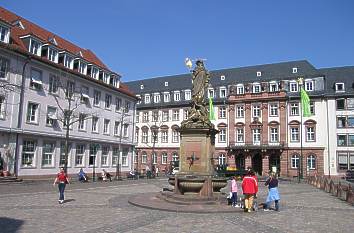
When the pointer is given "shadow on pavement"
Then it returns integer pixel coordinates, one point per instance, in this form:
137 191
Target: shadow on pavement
69 200
10 225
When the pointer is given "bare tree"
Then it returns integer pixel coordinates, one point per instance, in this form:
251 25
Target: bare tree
122 122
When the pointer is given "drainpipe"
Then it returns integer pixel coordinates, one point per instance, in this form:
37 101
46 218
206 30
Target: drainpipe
20 114
328 144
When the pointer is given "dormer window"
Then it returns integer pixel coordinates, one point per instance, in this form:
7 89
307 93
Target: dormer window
19 24
68 61
294 86
35 47
166 97
166 84
222 77
309 86
94 72
256 88
147 99
4 34
240 89
259 73
273 87
222 93
141 86
53 54
177 96
294 70
139 99
157 98
340 87
211 93
187 95
82 67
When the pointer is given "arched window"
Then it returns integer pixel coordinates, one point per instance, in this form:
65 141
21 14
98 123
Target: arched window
295 161
222 159
311 162
175 156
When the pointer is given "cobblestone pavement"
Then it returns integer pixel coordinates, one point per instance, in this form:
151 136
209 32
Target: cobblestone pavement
103 207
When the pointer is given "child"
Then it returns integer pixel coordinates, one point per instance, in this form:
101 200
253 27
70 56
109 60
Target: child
234 192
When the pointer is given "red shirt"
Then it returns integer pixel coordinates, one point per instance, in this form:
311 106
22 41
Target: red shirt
62 177
249 185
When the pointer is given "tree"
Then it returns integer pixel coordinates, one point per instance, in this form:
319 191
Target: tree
124 114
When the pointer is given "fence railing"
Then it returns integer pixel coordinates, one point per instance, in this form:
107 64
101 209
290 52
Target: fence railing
339 188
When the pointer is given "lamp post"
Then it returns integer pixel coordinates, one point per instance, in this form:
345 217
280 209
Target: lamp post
118 167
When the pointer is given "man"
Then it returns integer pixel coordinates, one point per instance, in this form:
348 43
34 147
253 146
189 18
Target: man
250 189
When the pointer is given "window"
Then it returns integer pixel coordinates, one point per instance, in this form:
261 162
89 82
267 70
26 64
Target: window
94 72
106 125
82 122
115 155
239 135
95 124
147 99
294 87
211 93
175 157
144 136
256 88
177 96
311 162
294 161
222 112
164 158
68 118
28 152
175 115
32 113
62 154
259 73
273 109
36 79
84 94
340 103
222 159
340 87
4 65
341 122
96 98
273 87
93 154
222 135
144 157
310 134
166 84
125 130
104 157
274 136
154 158
222 77
108 101
309 86
157 98
2 107
351 140
350 121
185 114
164 136
35 47
312 108
141 86
125 158
155 116
222 92
70 89
136 136
294 134
175 135
350 103
53 84
294 109
116 128
53 55
165 116
187 95
82 67
240 112
240 90
127 106
51 116
342 140
154 136
68 61
294 70
145 116
256 110
4 34
47 155
166 97
80 154
346 160
118 104
137 118
256 136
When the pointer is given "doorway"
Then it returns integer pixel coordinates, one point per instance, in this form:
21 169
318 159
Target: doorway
257 163
274 163
240 161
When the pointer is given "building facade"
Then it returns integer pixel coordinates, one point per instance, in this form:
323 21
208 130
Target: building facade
259 118
48 83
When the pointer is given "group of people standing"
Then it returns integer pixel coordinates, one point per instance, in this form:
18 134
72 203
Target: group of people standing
250 190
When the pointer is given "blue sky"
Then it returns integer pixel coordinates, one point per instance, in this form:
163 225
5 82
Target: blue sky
142 39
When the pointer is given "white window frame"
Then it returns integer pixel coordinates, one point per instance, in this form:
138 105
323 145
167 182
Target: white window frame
240 111
35 47
2 107
222 159
177 96
147 98
51 117
36 81
222 135
294 109
175 136
108 101
28 156
256 110
106 126
187 95
166 97
293 86
311 162
309 85
80 155
342 89
4 68
96 98
295 161
256 88
53 54
164 158
47 156
222 92
175 115
273 86
164 136
240 136
95 124
32 117
274 134
240 89
105 155
157 98
222 112
211 93
294 133
165 116
68 61
4 34
256 136
273 109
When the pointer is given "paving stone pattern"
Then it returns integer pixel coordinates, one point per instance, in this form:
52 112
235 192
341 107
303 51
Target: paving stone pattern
103 207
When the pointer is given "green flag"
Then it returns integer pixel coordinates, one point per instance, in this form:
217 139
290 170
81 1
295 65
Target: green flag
305 103
211 110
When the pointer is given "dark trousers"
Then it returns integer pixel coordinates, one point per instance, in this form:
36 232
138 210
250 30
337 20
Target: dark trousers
267 205
234 198
61 187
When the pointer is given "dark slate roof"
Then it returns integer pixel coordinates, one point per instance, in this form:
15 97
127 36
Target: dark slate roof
339 75
270 72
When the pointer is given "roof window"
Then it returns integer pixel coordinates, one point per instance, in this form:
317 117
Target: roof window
259 73
294 70
222 77
166 84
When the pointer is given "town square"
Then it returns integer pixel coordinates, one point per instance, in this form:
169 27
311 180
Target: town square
155 116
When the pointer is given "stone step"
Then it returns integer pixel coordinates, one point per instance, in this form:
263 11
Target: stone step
9 179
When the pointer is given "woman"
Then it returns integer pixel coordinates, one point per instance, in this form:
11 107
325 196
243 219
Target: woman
273 194
62 179
250 190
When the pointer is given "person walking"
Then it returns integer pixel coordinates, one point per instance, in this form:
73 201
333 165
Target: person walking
273 193
250 189
234 192
62 179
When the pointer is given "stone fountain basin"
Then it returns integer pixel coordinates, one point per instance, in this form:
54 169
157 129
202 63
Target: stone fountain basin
193 184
